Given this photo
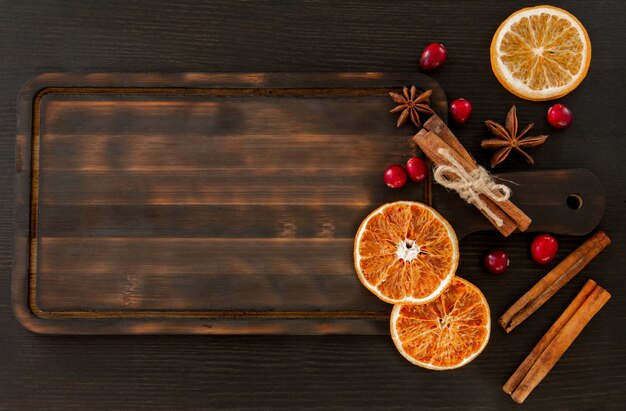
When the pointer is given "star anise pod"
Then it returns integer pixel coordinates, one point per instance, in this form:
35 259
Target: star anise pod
508 139
411 104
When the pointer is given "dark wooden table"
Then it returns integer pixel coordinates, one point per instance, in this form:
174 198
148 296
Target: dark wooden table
199 372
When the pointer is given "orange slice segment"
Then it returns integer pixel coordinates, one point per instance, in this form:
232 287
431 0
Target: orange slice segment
540 53
445 333
405 252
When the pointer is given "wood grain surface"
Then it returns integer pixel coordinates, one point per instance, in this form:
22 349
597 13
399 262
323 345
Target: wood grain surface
254 182
337 372
261 145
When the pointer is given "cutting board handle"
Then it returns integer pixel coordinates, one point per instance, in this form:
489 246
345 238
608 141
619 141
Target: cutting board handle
567 202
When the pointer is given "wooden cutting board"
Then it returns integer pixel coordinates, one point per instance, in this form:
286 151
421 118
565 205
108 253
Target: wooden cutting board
223 203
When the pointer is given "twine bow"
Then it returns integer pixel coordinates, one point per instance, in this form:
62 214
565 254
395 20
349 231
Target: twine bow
471 185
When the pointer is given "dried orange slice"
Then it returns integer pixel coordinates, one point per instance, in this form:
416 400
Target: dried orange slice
445 333
405 252
540 53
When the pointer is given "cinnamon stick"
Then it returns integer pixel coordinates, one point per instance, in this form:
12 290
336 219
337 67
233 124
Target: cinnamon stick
512 217
554 281
561 342
439 127
531 359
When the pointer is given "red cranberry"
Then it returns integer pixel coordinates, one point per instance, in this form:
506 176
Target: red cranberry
460 110
416 167
433 56
544 248
496 262
395 176
560 116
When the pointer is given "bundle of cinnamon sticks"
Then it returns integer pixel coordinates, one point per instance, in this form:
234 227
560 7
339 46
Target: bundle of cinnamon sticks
435 136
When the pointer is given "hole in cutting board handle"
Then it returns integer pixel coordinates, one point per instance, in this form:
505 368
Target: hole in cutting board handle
574 201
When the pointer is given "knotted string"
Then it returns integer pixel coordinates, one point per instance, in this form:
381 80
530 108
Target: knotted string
471 185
